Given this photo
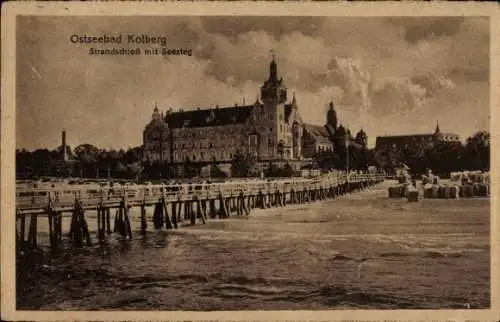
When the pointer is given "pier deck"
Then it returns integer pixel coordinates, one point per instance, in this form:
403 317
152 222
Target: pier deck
173 204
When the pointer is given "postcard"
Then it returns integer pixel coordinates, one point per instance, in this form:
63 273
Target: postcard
250 161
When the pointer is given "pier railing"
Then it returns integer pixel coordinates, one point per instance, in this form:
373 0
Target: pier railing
173 205
33 200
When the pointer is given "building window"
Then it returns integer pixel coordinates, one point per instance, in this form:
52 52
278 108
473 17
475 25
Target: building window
194 157
202 155
270 129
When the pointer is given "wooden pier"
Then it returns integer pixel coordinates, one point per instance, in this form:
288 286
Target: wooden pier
174 205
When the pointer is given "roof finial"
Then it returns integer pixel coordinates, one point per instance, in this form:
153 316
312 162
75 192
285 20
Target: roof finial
272 53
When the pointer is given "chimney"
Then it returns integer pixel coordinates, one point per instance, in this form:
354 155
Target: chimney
63 138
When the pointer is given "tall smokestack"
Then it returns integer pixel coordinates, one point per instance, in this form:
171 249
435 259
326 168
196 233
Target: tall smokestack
64 155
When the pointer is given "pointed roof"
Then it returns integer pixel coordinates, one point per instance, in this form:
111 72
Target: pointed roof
437 127
331 110
341 130
273 68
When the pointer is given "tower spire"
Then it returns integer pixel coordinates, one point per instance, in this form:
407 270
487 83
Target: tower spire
273 68
437 127
156 113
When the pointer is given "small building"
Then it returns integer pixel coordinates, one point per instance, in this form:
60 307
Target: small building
397 142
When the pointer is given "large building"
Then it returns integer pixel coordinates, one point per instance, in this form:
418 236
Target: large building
271 129
402 141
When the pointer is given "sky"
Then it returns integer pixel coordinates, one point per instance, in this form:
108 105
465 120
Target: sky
386 75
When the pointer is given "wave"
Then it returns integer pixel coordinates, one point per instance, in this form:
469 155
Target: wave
396 254
306 294
436 254
341 257
422 254
307 221
217 288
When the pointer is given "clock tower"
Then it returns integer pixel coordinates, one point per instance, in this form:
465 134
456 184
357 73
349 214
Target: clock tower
273 94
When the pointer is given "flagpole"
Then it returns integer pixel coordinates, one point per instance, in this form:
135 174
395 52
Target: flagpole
347 157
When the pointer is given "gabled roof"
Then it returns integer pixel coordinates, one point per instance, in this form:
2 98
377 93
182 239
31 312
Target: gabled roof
316 130
319 133
209 117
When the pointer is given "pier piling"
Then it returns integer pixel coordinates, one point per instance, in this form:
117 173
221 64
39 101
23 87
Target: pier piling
206 201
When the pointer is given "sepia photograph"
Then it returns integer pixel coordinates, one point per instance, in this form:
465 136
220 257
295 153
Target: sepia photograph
251 163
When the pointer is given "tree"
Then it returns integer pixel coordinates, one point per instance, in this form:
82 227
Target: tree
88 156
87 153
243 164
476 154
132 155
325 160
190 169
288 170
216 172
388 158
